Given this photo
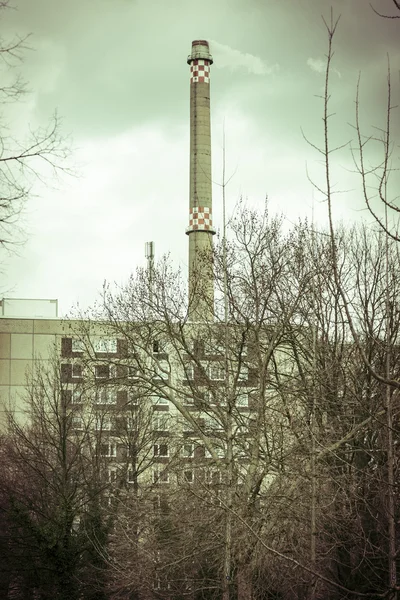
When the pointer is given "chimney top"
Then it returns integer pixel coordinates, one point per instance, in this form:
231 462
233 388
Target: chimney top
200 50
200 43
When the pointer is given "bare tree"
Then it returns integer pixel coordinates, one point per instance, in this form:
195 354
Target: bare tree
53 491
368 313
300 411
385 16
43 152
222 383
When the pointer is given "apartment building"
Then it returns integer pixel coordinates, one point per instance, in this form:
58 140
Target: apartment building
159 408
159 411
29 329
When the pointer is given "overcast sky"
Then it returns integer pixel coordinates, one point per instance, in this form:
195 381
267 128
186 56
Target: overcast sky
116 71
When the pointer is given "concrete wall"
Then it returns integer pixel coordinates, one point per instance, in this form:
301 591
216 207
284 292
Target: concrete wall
29 308
21 342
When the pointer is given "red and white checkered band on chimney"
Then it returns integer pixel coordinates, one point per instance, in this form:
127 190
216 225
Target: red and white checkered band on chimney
200 71
200 219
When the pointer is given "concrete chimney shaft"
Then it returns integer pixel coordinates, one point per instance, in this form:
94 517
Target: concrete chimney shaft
200 230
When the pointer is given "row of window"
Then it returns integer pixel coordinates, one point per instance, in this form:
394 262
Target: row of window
211 398
109 450
108 345
187 451
106 423
108 395
160 422
214 370
210 476
75 371
104 345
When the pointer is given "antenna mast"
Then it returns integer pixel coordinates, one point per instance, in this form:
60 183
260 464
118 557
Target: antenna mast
149 251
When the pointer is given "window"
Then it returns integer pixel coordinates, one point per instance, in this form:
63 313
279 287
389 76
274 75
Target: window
77 423
131 423
66 346
242 349
111 501
102 371
131 476
131 450
112 475
76 371
189 371
188 476
156 346
214 347
108 450
160 503
188 400
211 422
160 450
214 398
133 397
133 372
243 450
103 423
106 345
243 373
242 399
213 476
189 346
77 345
220 452
160 476
77 395
157 400
162 369
216 371
188 450
188 426
160 423
159 584
243 425
106 395
107 424
209 397
65 372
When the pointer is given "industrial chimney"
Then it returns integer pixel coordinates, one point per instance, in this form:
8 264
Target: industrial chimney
200 230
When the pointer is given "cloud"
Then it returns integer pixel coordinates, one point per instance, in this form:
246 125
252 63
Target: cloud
316 64
319 66
227 57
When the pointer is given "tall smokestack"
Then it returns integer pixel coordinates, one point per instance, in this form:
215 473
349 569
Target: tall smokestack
200 230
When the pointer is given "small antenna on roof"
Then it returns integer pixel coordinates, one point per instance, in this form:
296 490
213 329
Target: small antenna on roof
149 251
